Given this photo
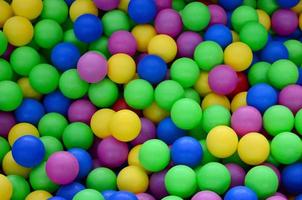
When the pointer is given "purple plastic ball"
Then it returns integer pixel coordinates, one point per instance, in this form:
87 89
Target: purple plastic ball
163 4
145 196
7 121
206 195
218 15
245 120
291 97
122 42
157 185
106 4
237 174
112 153
168 21
81 111
187 42
92 67
223 79
284 22
275 169
148 132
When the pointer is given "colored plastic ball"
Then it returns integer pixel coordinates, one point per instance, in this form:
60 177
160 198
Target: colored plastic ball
101 179
236 193
215 99
157 184
5 148
142 12
168 21
4 43
258 73
280 20
215 115
181 181
264 19
56 102
220 34
262 180
148 132
122 42
6 12
6 71
81 7
115 20
101 130
290 97
27 89
237 174
81 111
230 5
20 130
21 187
123 195
242 15
10 167
168 132
206 195
84 137
291 178
88 194
106 5
274 51
31 11
196 16
56 10
144 196
51 145
108 193
6 190
143 33
56 198
294 48
38 194
11 96
30 111
298 121
172 197
70 190
187 42
287 4
84 159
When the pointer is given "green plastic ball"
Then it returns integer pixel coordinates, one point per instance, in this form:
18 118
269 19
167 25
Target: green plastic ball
269 6
195 16
103 93
289 71
172 197
39 180
167 93
52 124
251 3
139 94
69 36
215 115
294 48
21 187
154 155
77 135
181 181
11 95
278 119
186 113
6 71
3 43
208 54
44 78
100 45
258 73
207 156
298 121
262 180
51 145
185 71
88 194
215 177
242 15
192 94
178 5
55 9
101 179
115 20
23 59
4 148
71 85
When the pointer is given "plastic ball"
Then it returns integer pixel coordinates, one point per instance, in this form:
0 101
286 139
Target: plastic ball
56 198
274 51
30 111
84 159
56 10
122 42
202 84
264 19
10 167
144 196
56 102
242 15
147 132
84 137
142 12
4 43
215 99
238 101
70 190
168 21
7 121
230 5
237 174
280 23
6 71
108 193
181 181
104 115
88 194
294 47
82 7
27 90
101 179
206 195
6 187
291 178
21 187
290 97
5 148
218 15
31 11
51 145
172 197
115 20
236 193
298 120
18 30
123 195
213 116
6 12
38 194
187 42
106 5
287 4
81 111
168 132
220 34
157 184
133 156
258 73
20 130
143 33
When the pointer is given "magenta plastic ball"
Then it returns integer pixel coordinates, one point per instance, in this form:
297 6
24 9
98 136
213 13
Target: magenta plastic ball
218 15
92 67
106 4
187 42
291 97
284 22
145 196
245 120
148 132
112 153
223 79
7 121
276 198
168 21
122 42
163 4
206 195
280 194
275 169
81 111
237 174
157 185
94 149
62 167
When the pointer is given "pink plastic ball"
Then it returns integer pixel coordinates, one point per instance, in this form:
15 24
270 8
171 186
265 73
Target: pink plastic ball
276 198
81 111
206 195
122 42
223 79
237 174
245 120
218 15
106 4
291 97
187 42
62 167
163 4
284 22
92 67
144 196
168 21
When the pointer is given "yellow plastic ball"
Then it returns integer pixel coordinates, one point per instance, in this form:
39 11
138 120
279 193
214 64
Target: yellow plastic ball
132 179
215 99
222 141
18 30
235 36
133 156
6 188
163 46
10 167
27 89
124 5
125 125
38 195
300 21
264 19
238 55
31 9
253 148
20 130
202 84
155 113
297 8
239 101
143 34
6 12
81 7
99 122
121 68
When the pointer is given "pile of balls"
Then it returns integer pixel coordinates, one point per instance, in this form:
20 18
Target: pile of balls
150 99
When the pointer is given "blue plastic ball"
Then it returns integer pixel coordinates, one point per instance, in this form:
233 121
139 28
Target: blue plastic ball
152 68
262 96
230 5
168 132
108 193
239 193
88 28
28 151
299 197
65 56
142 12
186 151
274 51
300 76
123 195
287 3
84 159
220 34
229 19
70 190
56 198
30 111
291 178
56 102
